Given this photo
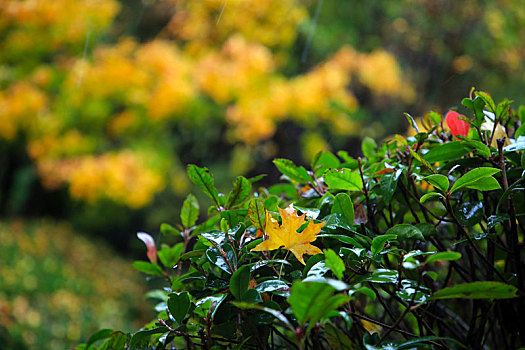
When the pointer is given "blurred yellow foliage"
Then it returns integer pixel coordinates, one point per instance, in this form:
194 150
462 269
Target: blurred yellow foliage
55 22
124 177
209 23
20 105
85 116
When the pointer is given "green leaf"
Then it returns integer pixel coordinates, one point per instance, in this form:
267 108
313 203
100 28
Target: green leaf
477 146
292 171
334 262
439 181
167 229
478 290
427 196
240 281
278 315
216 258
334 222
379 242
473 179
230 216
422 160
343 239
202 177
368 147
409 292
412 344
489 102
443 256
179 305
145 334
252 296
502 110
427 229
343 206
446 151
311 301
149 268
470 213
477 106
324 160
169 256
256 178
101 334
364 290
257 214
242 188
337 339
412 122
344 179
191 254
190 211
406 231
514 187
485 184
379 276
388 185
271 286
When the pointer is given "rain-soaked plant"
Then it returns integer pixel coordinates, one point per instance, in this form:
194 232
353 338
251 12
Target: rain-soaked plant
417 244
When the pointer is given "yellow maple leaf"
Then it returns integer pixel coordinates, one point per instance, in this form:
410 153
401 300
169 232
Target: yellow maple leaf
286 235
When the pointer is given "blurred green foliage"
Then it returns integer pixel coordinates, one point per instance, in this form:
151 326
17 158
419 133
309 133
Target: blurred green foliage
57 287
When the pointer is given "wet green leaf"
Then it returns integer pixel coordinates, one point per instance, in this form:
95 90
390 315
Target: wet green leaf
427 196
322 161
379 242
149 268
169 256
179 305
477 290
256 213
368 146
292 171
239 281
203 178
144 335
343 205
477 179
271 286
311 301
190 211
388 185
439 181
334 262
443 256
470 213
406 231
446 151
344 179
101 334
242 188
167 229
278 315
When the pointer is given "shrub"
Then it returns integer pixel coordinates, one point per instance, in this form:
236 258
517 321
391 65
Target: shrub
418 244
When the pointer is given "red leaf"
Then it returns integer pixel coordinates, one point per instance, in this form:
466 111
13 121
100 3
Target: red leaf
150 244
457 126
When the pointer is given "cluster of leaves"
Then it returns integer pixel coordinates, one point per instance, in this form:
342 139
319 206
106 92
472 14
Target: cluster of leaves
416 245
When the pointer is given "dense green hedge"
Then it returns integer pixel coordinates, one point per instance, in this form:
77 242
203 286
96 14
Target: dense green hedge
418 244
